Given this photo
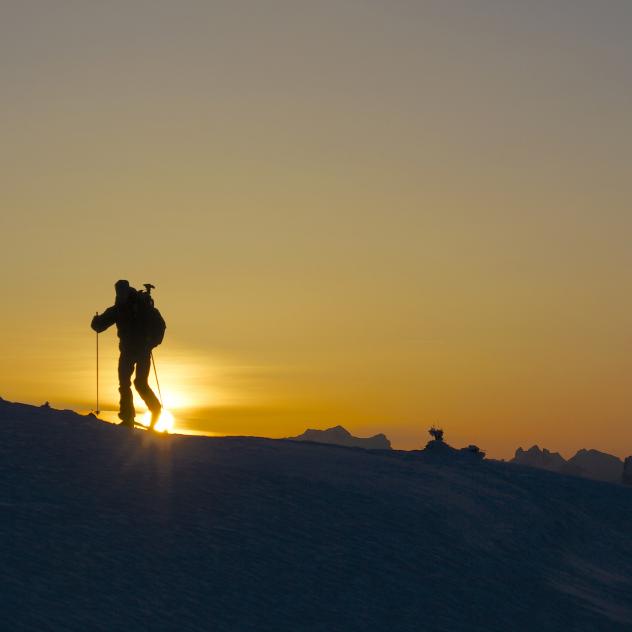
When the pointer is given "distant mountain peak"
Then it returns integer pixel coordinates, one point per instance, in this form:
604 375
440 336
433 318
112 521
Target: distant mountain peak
599 465
590 463
542 458
535 449
338 435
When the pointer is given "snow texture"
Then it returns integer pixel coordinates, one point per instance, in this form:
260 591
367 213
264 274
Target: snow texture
109 529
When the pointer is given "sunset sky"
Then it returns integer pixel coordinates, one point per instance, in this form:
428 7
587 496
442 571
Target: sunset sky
381 214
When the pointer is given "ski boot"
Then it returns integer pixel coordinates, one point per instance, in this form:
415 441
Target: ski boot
127 423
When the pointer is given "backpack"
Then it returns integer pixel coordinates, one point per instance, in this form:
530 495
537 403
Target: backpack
150 318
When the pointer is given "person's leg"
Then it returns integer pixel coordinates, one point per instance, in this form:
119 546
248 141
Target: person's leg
125 370
143 364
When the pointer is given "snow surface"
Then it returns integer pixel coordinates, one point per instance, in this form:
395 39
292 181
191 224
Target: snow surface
108 529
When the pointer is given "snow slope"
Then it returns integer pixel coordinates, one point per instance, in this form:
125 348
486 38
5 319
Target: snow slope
105 529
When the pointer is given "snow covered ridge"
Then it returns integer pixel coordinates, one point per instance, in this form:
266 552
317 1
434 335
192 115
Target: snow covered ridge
108 529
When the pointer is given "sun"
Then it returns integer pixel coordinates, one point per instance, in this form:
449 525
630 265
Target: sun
166 422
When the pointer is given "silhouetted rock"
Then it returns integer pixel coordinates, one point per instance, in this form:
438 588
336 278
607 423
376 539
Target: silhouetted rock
341 436
439 446
543 459
627 471
445 452
474 450
598 465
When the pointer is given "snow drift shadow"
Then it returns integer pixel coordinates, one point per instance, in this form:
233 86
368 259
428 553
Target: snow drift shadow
108 529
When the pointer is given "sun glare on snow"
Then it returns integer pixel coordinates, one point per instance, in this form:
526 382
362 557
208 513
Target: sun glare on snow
166 422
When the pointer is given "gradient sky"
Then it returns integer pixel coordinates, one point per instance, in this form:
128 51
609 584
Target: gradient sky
383 214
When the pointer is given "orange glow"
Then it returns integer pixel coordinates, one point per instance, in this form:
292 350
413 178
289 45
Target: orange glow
166 423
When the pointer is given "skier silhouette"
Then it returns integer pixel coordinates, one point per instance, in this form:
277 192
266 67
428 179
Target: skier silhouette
140 328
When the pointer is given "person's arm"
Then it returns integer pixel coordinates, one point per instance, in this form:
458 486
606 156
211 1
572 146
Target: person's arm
102 321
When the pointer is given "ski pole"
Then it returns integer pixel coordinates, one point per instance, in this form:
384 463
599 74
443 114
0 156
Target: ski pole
97 411
156 374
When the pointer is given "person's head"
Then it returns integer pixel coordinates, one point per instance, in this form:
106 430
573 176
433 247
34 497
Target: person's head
123 290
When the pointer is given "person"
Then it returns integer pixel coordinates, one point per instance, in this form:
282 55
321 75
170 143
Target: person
140 328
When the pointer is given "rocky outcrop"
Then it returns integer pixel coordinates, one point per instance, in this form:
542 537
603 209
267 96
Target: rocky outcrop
474 450
439 447
341 436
